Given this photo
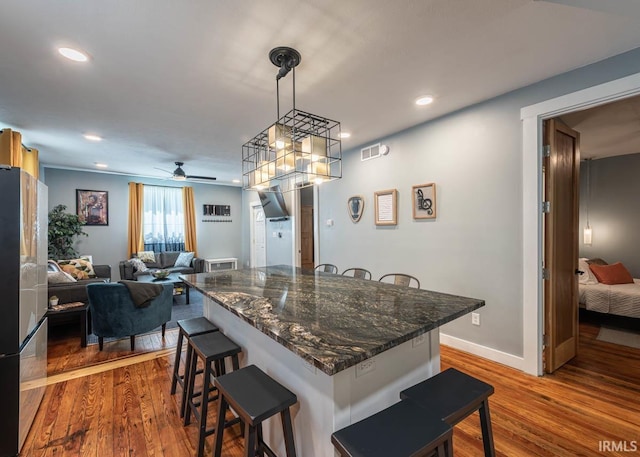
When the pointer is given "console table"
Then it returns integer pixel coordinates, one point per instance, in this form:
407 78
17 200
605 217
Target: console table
228 263
345 346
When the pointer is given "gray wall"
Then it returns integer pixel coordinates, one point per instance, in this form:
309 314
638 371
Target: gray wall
614 213
108 244
474 247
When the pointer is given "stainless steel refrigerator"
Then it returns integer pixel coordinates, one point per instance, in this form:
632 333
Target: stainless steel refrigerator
23 303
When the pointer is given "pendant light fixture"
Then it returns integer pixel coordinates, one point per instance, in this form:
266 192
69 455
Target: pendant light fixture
300 149
586 236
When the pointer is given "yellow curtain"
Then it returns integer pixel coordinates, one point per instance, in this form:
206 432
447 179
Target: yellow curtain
14 154
136 217
30 162
189 220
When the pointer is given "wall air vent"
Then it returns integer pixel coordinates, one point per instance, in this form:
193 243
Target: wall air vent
370 152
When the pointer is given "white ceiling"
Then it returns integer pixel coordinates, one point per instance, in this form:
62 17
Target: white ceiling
191 80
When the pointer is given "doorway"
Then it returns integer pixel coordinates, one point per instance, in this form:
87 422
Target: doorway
307 238
533 241
258 237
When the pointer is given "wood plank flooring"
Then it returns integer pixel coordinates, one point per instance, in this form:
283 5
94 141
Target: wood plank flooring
120 406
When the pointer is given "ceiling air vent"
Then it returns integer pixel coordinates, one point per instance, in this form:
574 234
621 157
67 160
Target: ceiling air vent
370 152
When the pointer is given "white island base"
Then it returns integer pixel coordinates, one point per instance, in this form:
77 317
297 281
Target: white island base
328 403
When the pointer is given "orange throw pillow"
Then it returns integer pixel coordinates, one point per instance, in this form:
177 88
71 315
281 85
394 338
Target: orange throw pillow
612 274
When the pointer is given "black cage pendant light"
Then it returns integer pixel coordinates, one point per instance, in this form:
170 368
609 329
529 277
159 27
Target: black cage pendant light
300 149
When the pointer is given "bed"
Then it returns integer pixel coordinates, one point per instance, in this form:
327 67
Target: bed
618 299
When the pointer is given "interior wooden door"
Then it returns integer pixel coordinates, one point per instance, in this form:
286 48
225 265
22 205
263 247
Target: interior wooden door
561 190
306 237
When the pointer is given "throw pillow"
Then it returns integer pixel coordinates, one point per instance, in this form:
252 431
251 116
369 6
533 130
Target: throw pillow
587 276
612 274
147 256
59 277
52 265
138 264
184 259
78 268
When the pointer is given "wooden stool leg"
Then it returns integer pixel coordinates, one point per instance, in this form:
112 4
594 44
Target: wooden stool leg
487 433
188 393
204 406
259 441
249 440
288 433
187 375
222 412
176 366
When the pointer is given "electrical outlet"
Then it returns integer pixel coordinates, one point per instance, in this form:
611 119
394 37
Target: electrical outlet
475 318
365 367
418 340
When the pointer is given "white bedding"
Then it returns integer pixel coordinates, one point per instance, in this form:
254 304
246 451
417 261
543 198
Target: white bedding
620 299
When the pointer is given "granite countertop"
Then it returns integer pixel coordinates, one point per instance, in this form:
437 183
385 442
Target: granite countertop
331 321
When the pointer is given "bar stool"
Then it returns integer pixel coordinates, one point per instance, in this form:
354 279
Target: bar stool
401 430
188 328
255 397
212 348
452 396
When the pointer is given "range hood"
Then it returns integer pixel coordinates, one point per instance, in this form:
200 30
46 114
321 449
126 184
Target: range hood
273 203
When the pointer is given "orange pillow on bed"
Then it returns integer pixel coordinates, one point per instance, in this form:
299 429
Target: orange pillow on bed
612 274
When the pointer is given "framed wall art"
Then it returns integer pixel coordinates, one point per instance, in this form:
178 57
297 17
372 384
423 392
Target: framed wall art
355 206
92 206
386 207
424 201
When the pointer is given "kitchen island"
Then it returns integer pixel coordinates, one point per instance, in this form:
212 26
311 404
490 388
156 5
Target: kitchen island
345 346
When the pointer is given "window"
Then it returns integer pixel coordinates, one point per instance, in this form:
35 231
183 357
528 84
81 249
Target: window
163 225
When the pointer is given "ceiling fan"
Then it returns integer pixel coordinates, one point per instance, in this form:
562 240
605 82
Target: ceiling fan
179 175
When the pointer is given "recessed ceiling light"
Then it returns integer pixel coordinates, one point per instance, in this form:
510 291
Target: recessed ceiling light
101 165
344 135
424 100
235 181
92 137
73 54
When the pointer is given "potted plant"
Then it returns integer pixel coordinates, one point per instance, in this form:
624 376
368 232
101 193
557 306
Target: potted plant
63 228
53 301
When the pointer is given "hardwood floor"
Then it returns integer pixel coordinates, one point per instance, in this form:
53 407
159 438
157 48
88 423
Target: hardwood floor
119 405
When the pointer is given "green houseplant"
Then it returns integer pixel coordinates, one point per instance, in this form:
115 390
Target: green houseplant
63 228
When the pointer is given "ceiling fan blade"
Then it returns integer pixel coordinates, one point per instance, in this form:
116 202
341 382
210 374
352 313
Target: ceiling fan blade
211 178
162 169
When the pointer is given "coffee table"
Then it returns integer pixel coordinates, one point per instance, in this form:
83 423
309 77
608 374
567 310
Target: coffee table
173 278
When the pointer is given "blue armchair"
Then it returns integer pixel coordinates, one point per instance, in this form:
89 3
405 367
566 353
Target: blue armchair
114 314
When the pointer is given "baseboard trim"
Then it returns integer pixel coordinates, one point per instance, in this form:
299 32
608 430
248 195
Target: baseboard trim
494 355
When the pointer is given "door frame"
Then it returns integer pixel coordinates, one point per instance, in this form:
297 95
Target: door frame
532 228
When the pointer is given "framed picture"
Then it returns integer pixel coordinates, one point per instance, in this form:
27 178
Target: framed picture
424 201
355 206
92 206
386 203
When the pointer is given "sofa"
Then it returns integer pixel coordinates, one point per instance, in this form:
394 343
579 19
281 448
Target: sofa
163 261
68 292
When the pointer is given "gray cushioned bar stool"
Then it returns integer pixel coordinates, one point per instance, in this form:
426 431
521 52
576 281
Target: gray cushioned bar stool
188 328
212 348
453 395
255 397
401 430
